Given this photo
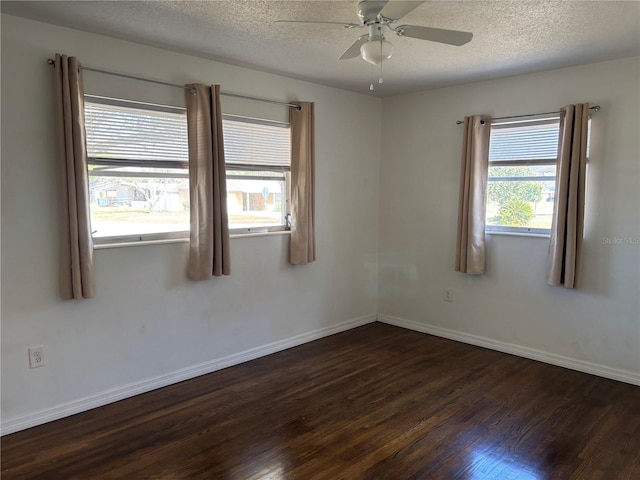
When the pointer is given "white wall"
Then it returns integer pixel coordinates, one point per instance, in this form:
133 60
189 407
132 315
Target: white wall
511 306
147 320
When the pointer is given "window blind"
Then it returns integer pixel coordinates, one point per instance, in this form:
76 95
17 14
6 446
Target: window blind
129 133
134 132
256 142
524 142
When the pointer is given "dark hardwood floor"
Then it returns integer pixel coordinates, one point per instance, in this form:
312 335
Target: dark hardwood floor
376 402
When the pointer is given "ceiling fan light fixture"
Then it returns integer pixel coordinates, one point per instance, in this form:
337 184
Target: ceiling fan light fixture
376 51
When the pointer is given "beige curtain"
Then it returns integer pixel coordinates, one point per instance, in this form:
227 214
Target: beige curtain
76 244
473 195
565 247
209 237
303 245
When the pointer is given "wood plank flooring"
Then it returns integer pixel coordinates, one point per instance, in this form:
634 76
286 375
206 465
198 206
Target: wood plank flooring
376 402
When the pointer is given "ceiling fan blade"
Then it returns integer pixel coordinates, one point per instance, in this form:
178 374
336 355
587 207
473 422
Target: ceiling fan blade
345 25
440 35
398 9
354 50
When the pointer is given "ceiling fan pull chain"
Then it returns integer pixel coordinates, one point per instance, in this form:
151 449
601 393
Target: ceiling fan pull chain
371 84
381 62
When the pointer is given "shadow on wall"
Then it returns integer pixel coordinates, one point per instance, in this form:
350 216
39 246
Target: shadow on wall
596 256
397 275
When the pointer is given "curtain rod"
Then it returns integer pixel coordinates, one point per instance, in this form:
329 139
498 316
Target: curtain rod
595 108
50 61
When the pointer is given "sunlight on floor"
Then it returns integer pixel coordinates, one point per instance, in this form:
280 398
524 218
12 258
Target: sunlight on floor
271 472
486 466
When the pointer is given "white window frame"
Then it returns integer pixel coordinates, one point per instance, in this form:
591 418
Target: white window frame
505 124
182 171
286 171
183 235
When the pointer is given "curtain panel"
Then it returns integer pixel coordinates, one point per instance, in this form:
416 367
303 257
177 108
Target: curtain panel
565 246
209 253
303 245
474 169
76 243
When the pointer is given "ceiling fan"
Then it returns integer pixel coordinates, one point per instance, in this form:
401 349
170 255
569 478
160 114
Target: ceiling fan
379 16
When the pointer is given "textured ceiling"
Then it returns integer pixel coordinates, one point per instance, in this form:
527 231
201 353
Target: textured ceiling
510 37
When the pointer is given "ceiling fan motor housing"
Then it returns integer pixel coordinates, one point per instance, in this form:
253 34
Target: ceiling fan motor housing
375 31
368 10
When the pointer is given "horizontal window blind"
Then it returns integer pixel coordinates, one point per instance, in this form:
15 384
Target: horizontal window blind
116 130
259 143
524 142
129 133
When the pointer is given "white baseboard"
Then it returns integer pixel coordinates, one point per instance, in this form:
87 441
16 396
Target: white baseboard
29 420
519 350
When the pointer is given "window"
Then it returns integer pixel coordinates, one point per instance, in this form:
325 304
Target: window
138 170
522 175
258 158
139 177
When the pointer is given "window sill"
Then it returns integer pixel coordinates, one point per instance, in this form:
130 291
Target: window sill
520 234
259 234
104 246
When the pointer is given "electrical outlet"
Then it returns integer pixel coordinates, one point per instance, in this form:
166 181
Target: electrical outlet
36 357
448 295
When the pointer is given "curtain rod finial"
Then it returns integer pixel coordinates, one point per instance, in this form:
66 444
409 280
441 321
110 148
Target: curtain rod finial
50 61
